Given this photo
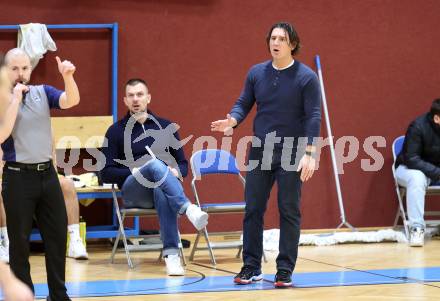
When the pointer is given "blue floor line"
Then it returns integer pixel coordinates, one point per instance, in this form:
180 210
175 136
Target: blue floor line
173 285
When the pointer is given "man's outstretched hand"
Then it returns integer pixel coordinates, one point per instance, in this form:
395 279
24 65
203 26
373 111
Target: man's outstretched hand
224 125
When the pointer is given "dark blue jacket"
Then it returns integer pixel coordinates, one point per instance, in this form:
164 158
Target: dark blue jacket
159 134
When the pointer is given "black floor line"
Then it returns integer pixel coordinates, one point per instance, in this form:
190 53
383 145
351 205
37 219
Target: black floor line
409 280
372 273
143 292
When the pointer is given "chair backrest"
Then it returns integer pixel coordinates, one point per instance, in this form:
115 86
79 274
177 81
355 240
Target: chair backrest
213 161
397 146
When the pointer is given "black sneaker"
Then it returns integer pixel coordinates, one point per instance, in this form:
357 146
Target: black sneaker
283 278
248 275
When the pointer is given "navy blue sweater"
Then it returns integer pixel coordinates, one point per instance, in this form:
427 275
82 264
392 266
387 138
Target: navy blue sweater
158 133
288 101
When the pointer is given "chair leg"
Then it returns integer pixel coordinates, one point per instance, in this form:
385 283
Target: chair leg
160 256
211 252
124 240
182 255
115 245
396 219
121 231
194 248
240 248
400 196
118 217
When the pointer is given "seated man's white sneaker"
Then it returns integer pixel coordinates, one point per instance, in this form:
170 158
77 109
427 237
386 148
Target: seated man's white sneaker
417 237
197 217
174 265
77 249
4 254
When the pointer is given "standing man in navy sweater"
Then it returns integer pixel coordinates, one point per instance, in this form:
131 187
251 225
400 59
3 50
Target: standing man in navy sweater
288 101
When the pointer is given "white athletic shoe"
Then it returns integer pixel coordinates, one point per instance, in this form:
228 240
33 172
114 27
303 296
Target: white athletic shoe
77 249
197 217
174 266
417 237
4 254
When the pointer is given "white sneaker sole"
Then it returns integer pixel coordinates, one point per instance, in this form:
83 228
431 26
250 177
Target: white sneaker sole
79 257
176 274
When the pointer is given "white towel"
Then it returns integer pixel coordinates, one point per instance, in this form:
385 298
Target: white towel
34 39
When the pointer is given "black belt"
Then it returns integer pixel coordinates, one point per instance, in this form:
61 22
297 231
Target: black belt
29 166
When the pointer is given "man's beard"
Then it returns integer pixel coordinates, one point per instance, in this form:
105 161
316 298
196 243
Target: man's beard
139 115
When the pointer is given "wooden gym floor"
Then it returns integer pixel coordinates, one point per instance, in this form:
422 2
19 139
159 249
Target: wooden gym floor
379 271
